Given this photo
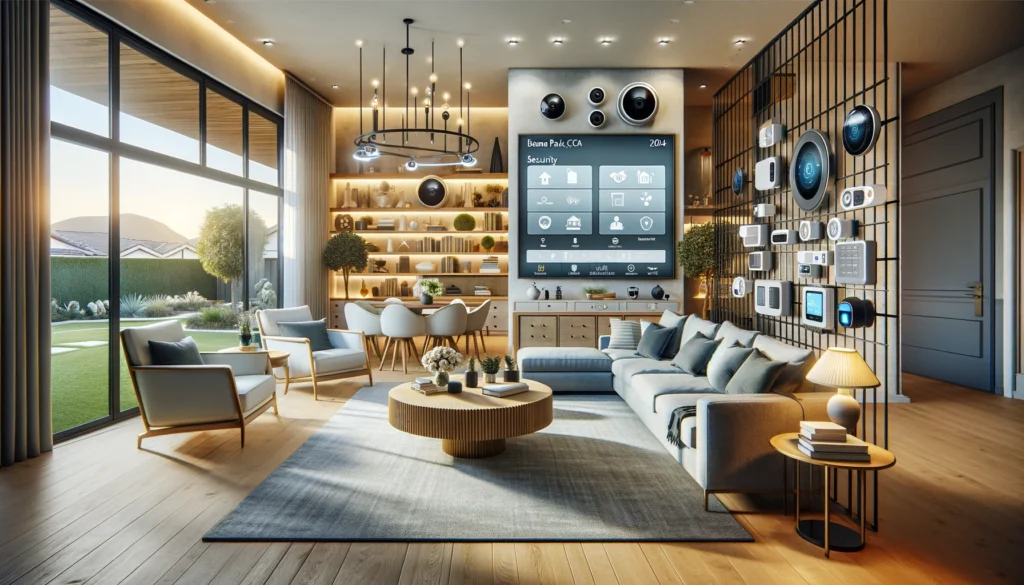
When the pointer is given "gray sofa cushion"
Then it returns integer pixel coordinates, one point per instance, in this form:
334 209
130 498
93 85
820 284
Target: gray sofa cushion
670 320
653 341
624 370
730 334
695 353
565 359
648 388
725 363
617 354
757 375
562 382
792 378
694 324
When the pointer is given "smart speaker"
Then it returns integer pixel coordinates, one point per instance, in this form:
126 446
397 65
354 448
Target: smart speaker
768 173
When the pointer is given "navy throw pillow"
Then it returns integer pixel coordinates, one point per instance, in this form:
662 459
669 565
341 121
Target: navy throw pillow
314 331
175 353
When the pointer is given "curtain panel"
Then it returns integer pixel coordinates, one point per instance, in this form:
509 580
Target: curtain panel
25 424
308 163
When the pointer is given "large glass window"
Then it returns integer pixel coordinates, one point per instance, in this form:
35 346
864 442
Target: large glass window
79 272
185 251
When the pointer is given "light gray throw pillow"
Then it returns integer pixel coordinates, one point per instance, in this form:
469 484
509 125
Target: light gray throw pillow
724 364
694 355
625 334
756 376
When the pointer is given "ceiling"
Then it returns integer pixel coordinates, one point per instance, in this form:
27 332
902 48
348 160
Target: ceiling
316 40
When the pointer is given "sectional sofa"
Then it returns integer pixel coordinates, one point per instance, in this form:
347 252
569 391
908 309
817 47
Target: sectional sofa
726 446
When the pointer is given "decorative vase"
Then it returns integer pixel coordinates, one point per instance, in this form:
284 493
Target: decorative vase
657 293
245 339
364 292
441 380
360 225
414 225
496 160
391 246
426 299
472 379
490 378
511 375
533 292
403 224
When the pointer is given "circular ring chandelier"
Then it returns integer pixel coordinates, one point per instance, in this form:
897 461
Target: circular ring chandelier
420 147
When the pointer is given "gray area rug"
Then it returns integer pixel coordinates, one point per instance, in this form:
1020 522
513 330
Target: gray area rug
595 474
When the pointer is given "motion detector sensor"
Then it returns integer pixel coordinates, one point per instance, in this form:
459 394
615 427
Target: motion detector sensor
552 106
595 96
596 119
637 104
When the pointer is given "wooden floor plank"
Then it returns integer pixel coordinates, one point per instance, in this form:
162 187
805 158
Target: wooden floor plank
578 564
542 563
293 560
373 562
600 567
423 564
265 565
659 564
630 564
504 563
322 563
472 564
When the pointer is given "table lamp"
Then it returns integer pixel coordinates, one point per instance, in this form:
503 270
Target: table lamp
843 369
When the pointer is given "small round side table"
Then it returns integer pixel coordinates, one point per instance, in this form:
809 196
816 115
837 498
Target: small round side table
836 536
278 359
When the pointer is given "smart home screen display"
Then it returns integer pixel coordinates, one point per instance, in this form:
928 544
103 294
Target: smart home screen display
814 305
597 206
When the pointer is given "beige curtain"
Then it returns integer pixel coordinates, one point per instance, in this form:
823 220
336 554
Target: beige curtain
308 163
25 426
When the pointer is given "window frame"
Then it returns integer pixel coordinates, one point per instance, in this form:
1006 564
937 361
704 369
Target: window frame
116 35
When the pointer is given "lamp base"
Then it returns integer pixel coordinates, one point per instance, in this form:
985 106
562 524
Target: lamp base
844 410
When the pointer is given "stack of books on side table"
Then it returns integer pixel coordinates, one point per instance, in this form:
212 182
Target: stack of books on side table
425 386
505 390
827 440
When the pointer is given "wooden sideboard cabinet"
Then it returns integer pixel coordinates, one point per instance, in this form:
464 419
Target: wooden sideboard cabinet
580 323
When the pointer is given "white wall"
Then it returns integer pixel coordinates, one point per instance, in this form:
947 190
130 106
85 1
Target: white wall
1007 72
526 87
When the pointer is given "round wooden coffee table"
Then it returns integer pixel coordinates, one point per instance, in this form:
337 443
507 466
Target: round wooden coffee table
470 425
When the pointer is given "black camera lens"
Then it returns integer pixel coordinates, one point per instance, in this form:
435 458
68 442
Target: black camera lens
596 118
738 179
596 96
552 106
810 174
637 104
860 130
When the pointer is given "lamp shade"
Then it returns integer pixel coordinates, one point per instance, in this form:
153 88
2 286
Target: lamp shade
841 367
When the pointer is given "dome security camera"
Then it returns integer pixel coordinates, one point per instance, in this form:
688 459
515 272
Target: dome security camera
596 119
552 106
637 104
595 96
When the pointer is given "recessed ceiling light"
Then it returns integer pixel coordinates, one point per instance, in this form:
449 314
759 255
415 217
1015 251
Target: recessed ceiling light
606 41
703 86
664 42
740 42
566 21
335 86
687 1
557 42
674 20
229 21
513 42
268 42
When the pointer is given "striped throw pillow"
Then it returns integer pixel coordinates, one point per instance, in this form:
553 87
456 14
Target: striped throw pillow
625 334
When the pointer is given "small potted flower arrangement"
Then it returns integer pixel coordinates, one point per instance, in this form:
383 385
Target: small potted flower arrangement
244 330
490 366
428 289
472 377
511 373
440 361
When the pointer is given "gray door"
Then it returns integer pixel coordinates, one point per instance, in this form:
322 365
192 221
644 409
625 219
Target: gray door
948 233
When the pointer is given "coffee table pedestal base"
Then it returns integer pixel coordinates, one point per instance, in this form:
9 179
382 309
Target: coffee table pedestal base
473 449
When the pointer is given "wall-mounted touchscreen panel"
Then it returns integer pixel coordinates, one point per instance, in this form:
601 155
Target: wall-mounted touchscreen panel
597 206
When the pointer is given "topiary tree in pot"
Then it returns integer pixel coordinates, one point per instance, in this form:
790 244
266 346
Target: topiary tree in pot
345 252
696 254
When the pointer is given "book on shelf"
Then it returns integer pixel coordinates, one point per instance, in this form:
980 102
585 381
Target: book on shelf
503 390
856 457
850 445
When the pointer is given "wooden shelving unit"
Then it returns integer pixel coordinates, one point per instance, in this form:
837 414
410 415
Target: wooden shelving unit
407 253
406 177
427 274
415 210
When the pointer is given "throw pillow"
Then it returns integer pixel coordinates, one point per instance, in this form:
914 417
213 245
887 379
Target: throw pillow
175 353
724 364
670 320
314 331
694 355
756 376
625 334
653 341
644 324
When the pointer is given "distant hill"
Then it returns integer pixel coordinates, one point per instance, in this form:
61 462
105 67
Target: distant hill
133 227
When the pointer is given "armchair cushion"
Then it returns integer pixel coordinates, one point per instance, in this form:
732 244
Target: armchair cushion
254 390
136 340
269 318
339 360
314 331
175 353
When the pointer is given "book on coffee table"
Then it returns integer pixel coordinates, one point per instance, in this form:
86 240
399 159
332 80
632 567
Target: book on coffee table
850 445
504 390
863 457
815 430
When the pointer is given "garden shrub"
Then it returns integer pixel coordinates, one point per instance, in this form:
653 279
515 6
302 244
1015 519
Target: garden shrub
222 317
83 279
158 308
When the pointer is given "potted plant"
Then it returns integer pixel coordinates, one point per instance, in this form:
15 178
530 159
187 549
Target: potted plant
593 292
364 222
464 222
696 253
244 330
511 373
472 377
490 366
428 289
487 242
345 252
440 361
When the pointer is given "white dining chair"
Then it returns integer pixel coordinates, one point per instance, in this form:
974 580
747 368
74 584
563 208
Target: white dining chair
400 325
476 320
393 301
445 325
361 316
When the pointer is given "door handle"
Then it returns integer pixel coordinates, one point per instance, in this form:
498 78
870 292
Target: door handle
978 293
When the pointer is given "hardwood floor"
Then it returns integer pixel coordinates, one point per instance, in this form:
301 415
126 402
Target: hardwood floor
97 510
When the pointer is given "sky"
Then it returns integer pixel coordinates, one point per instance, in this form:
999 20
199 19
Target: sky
79 176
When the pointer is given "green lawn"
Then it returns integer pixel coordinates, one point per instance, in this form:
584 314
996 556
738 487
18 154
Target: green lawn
80 376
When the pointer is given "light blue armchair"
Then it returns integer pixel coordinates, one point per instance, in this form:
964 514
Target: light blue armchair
228 391
346 358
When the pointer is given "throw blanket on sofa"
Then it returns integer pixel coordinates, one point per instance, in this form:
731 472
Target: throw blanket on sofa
675 422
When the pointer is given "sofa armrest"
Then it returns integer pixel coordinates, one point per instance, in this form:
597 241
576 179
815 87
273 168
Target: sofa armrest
242 363
812 404
733 440
346 339
603 341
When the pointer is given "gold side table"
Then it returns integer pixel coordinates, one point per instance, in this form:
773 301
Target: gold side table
825 533
278 359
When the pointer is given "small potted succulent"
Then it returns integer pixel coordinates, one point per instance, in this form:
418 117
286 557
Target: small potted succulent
490 366
428 289
511 373
244 330
440 361
472 376
594 292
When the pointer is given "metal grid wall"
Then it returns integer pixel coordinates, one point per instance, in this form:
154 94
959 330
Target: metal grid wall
833 57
